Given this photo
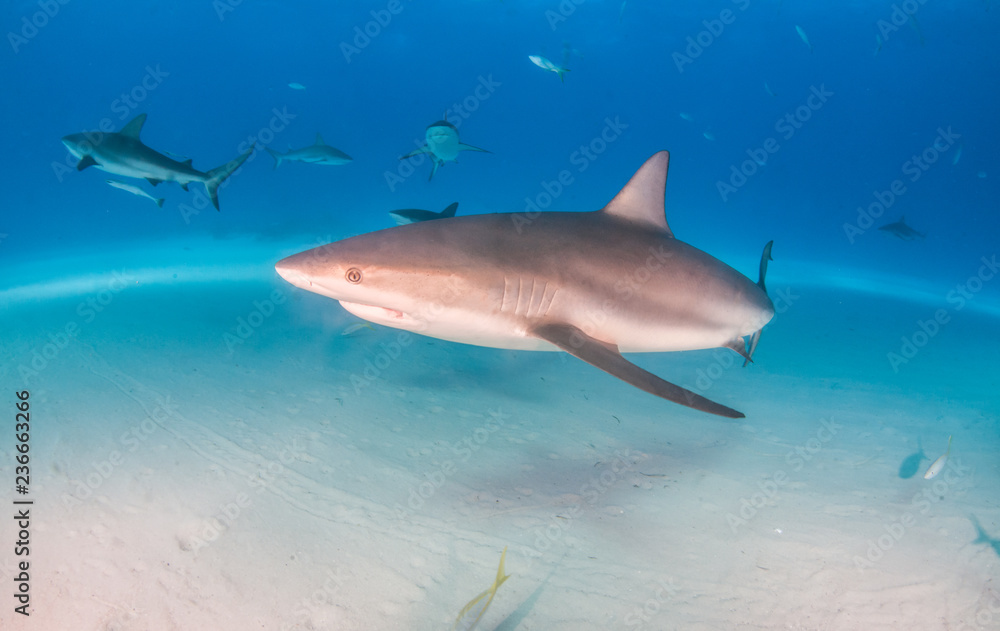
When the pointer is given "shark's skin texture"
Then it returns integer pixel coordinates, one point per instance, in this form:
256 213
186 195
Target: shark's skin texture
442 145
123 154
413 215
317 153
594 284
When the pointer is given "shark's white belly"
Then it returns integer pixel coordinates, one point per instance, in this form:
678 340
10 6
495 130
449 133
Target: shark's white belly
443 145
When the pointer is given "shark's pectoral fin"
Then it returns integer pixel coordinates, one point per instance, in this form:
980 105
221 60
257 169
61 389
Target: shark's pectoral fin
417 152
765 256
464 147
607 357
153 181
85 161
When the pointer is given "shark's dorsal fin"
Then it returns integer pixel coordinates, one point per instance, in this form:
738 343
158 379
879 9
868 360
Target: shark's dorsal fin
641 201
319 139
133 128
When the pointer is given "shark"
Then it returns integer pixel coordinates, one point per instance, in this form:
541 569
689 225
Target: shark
123 153
317 153
594 284
442 145
545 64
413 215
901 230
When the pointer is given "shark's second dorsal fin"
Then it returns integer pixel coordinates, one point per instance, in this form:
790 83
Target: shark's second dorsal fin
133 128
641 201
319 139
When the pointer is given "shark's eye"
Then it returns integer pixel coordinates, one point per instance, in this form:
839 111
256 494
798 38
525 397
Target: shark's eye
353 276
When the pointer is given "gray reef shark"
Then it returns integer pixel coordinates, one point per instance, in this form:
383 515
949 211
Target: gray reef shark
901 230
317 153
594 284
123 154
413 215
441 145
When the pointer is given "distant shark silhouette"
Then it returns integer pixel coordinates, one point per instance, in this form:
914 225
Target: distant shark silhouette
594 284
901 230
124 154
441 145
317 153
413 215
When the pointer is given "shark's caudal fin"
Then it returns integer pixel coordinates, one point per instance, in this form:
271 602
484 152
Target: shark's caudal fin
277 156
218 175
755 338
641 201
449 211
606 357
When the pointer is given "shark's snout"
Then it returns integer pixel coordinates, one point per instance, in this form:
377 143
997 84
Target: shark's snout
289 269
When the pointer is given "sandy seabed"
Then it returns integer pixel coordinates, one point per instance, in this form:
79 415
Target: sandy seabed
196 466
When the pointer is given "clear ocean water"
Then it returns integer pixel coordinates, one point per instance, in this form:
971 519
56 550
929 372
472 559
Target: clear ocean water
213 448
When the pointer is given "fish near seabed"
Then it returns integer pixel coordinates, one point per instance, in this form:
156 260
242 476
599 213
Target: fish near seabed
442 145
473 612
123 154
938 465
550 282
901 230
317 153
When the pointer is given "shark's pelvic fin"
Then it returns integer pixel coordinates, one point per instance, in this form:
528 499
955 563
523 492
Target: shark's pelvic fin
449 211
641 201
607 357
133 128
85 161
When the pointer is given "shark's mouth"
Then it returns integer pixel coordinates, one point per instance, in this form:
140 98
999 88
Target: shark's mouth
379 315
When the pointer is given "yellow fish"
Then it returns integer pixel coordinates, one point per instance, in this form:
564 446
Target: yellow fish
472 613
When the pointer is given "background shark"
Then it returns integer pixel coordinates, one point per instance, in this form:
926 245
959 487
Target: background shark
124 154
413 215
901 230
442 145
317 153
593 284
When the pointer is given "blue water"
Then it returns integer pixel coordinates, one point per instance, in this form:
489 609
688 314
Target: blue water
784 119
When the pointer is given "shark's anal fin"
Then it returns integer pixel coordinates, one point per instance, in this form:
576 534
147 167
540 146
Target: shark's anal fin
85 161
607 357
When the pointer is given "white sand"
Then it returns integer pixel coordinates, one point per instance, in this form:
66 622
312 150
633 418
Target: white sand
179 485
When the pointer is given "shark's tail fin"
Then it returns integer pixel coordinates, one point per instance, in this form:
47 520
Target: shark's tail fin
449 211
277 157
218 175
755 338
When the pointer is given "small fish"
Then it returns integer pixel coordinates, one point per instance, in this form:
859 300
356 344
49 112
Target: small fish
938 465
545 64
296 86
472 613
686 116
916 28
803 37
958 156
621 11
878 41
709 135
135 190
911 464
357 326
768 89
